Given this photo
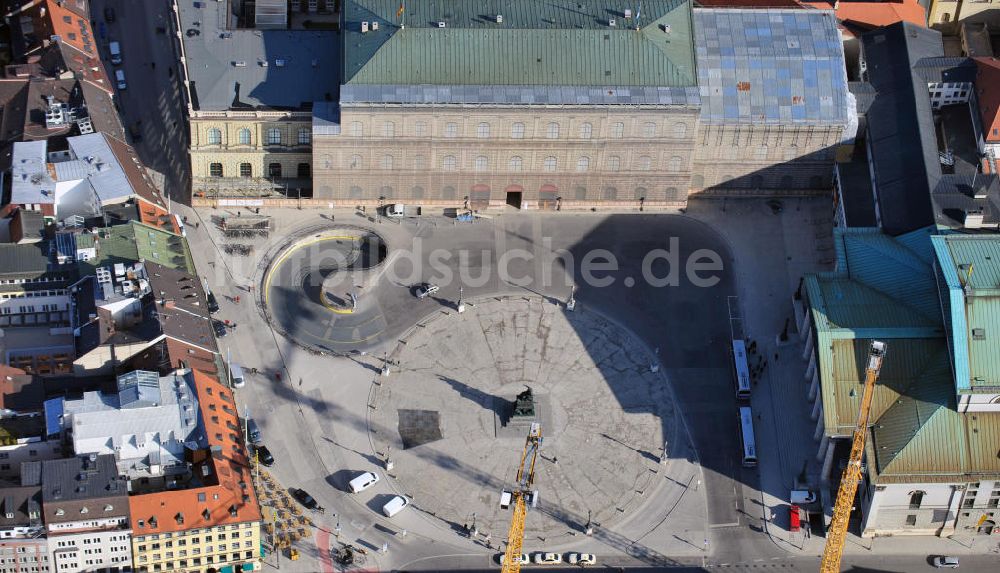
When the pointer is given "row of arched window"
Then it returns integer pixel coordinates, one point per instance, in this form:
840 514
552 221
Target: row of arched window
551 130
273 136
516 163
274 170
579 193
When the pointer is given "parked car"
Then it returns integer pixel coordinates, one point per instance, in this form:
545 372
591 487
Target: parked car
395 505
213 303
548 558
363 482
109 15
220 328
525 560
120 79
581 559
427 289
264 455
945 562
303 497
253 430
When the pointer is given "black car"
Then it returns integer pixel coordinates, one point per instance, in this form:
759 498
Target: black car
109 15
305 499
213 304
220 328
264 456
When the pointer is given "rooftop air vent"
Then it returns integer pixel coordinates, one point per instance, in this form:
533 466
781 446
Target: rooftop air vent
612 22
628 13
441 24
240 64
499 18
364 27
374 26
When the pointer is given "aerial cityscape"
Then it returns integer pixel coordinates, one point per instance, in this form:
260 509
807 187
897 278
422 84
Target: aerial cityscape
332 286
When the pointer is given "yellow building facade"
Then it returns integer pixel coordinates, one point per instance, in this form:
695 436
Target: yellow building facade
197 550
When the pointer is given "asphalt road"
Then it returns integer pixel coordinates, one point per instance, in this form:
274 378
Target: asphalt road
152 105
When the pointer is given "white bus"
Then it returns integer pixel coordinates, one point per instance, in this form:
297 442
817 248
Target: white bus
742 370
746 433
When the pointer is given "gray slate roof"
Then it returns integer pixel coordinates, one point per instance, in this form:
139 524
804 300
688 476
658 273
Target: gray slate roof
901 126
30 259
771 66
310 70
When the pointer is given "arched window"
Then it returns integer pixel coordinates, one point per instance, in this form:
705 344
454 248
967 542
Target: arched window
483 130
672 194
617 130
355 162
356 192
675 164
550 164
760 153
614 163
449 163
305 136
451 130
482 163
580 193
586 130
697 181
448 192
274 170
356 131
214 136
609 193
791 152
916 498
386 162
516 163
388 129
386 191
641 193
273 136
680 130
419 162
303 171
645 163
215 170
244 136
420 129
417 192
517 131
552 131
583 164
246 170
649 129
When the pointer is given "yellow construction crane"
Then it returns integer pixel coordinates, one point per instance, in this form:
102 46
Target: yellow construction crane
852 473
519 499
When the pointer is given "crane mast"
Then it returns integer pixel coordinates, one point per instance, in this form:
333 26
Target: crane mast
520 495
852 473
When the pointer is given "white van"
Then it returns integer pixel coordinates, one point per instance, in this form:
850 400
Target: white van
363 482
395 505
116 53
236 375
120 76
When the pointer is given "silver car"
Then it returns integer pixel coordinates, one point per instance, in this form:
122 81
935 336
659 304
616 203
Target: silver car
427 289
945 562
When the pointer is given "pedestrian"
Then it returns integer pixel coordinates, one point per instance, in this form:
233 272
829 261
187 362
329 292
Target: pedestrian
197 224
300 381
237 299
775 356
555 460
764 366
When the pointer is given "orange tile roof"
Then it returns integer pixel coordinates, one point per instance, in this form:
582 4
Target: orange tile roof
875 14
231 499
988 84
76 39
156 216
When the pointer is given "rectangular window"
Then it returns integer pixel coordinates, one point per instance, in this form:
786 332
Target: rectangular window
911 520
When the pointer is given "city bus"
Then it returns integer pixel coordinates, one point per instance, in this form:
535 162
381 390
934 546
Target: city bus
742 370
746 433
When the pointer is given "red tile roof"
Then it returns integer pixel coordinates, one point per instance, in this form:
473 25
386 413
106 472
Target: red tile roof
988 84
229 497
875 14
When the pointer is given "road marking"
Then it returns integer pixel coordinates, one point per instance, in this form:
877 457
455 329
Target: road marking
281 259
720 525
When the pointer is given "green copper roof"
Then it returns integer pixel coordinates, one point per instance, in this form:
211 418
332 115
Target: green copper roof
552 43
134 242
970 272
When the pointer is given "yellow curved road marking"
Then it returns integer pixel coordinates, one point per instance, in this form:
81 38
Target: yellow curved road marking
281 259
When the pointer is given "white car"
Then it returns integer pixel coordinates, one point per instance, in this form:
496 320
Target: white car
525 560
427 289
581 559
395 505
363 482
548 558
945 562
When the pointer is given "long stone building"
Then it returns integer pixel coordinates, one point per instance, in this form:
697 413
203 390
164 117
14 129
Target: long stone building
581 103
